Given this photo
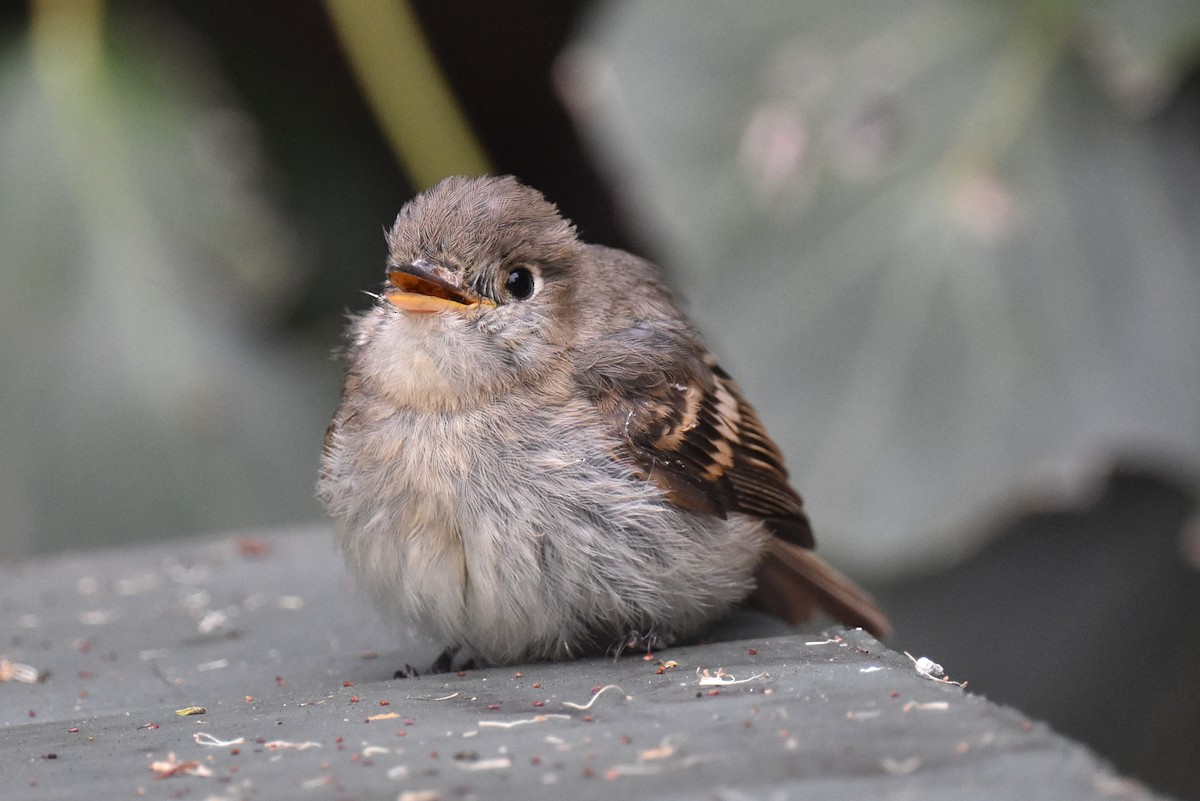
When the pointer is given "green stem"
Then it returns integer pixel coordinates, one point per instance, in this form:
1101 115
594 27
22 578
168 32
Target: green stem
406 90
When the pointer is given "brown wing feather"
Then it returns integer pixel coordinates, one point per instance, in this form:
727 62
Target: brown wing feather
689 430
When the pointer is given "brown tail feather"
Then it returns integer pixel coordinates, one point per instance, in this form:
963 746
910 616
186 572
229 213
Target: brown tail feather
794 584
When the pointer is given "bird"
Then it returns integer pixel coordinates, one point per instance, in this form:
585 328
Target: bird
535 457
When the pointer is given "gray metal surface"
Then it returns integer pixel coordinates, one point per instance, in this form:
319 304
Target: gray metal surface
295 675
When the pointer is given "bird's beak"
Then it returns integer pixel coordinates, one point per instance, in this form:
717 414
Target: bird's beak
423 288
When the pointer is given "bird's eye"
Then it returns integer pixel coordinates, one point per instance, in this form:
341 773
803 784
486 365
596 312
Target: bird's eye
520 283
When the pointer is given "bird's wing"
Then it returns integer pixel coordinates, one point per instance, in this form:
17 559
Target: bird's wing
686 427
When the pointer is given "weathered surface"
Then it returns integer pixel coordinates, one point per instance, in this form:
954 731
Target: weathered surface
266 636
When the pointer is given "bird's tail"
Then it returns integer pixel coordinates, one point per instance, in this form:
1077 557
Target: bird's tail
794 584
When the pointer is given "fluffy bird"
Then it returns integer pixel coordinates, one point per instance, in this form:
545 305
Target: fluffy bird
536 457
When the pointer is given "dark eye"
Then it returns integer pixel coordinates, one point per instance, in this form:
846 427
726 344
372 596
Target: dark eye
520 284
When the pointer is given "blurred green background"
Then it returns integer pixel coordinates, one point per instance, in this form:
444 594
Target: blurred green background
949 248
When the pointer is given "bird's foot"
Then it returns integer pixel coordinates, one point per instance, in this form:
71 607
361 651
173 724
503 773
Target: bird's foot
443 664
445 661
406 672
637 640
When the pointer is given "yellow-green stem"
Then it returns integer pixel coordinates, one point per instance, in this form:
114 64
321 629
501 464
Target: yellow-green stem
411 100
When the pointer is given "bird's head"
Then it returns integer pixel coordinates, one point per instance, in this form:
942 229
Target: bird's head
480 293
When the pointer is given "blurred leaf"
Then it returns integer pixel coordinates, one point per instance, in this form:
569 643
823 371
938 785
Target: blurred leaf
1140 50
141 257
942 264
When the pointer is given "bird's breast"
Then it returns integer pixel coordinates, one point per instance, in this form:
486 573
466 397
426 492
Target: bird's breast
451 534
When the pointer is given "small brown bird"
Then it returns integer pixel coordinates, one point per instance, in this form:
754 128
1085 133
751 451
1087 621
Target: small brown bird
535 457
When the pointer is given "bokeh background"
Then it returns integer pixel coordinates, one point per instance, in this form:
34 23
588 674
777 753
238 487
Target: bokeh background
951 249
